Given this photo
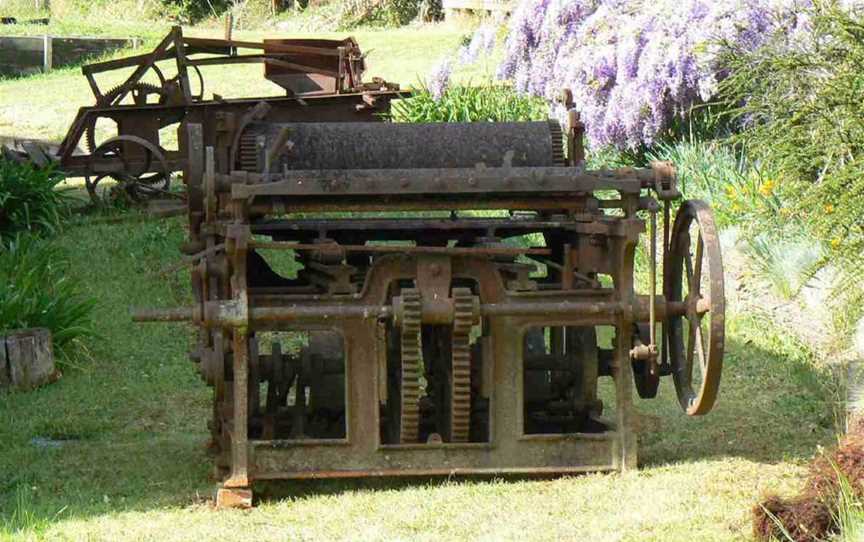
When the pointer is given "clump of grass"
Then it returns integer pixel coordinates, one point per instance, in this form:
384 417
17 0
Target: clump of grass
36 292
24 517
30 200
489 103
850 513
785 264
829 504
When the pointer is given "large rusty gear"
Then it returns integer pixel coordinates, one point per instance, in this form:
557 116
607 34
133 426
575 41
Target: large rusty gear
138 91
460 373
409 419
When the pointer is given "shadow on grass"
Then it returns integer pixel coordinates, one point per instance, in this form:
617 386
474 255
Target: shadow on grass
771 409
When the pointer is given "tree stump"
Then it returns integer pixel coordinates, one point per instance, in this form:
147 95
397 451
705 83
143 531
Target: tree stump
26 359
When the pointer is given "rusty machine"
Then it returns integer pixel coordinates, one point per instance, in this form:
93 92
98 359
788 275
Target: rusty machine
377 298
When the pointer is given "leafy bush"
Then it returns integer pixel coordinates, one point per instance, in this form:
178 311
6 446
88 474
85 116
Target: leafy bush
35 292
719 173
492 103
799 98
634 67
29 199
385 12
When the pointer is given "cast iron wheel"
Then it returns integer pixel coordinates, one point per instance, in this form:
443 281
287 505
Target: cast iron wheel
698 334
149 177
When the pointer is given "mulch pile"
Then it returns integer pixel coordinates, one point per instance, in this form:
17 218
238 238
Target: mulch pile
811 516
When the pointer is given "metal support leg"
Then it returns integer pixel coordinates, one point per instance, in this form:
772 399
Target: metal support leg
235 491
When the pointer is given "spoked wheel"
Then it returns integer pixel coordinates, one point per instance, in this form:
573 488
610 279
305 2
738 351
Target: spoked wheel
693 278
142 169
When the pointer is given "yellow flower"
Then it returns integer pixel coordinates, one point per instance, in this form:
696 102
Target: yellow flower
730 192
767 188
785 211
835 242
829 208
736 207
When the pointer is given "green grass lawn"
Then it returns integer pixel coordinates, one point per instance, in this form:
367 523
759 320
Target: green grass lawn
43 106
134 464
134 467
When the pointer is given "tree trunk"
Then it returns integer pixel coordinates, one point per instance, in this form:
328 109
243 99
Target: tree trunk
26 359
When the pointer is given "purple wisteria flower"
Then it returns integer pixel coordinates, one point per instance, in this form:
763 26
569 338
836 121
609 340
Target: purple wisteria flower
482 43
439 78
633 66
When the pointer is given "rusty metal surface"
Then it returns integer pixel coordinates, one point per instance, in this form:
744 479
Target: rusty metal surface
307 70
376 145
358 309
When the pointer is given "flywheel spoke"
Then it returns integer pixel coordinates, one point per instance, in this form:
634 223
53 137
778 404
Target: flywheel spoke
696 278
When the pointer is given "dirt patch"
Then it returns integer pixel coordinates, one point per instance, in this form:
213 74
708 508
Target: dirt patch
811 516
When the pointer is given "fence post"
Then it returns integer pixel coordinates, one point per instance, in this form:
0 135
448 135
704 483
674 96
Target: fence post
229 25
47 54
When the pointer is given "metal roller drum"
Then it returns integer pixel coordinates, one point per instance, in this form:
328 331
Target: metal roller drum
384 145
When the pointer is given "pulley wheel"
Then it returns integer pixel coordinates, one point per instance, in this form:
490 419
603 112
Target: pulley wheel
693 278
647 384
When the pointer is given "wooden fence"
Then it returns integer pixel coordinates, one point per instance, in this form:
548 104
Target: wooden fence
24 55
452 7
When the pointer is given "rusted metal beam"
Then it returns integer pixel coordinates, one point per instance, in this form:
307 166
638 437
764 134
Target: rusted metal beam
439 182
399 249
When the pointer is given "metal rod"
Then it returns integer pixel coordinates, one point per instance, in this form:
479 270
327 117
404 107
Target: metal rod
332 312
319 312
664 355
652 318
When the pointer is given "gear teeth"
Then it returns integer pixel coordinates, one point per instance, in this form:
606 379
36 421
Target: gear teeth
248 153
105 101
460 382
557 135
409 431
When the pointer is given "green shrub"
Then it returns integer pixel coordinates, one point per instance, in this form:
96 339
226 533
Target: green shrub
799 100
720 174
491 103
35 292
386 12
30 200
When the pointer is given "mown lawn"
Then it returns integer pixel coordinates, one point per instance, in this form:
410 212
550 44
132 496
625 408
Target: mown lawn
132 463
43 106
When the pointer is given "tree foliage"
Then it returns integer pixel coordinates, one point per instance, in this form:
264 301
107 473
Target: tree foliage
799 99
